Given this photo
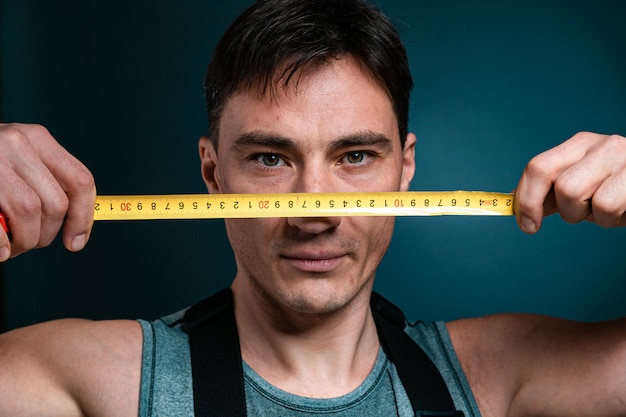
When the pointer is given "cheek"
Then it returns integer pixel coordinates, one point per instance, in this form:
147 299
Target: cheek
378 237
250 237
383 234
241 233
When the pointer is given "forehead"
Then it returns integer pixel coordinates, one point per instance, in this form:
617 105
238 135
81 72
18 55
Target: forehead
336 99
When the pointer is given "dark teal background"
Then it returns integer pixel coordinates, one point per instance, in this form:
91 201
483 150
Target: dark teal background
119 84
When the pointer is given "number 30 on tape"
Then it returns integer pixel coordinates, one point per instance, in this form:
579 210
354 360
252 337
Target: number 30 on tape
207 206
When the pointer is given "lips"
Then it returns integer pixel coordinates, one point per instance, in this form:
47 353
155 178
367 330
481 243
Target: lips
317 263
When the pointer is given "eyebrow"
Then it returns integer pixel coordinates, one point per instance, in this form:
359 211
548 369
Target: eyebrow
366 138
274 141
257 138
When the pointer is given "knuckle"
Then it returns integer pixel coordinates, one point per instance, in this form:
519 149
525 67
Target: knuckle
83 180
582 135
607 211
539 166
615 143
21 138
21 132
58 205
29 206
12 133
567 188
524 206
39 131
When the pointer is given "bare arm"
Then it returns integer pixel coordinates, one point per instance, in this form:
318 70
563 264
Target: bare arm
525 365
65 367
71 368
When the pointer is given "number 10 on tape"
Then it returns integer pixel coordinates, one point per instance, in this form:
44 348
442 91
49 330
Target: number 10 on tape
207 206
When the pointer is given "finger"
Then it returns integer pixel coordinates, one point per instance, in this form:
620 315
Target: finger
34 204
42 185
22 209
78 185
575 187
22 174
80 213
549 204
534 193
608 204
573 171
592 184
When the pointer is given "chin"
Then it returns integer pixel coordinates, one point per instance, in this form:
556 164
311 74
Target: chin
307 305
308 294
318 300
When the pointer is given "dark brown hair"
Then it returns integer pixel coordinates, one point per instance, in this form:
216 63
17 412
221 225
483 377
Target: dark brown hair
275 40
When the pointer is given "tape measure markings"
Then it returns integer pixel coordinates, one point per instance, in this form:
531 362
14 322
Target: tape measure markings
206 206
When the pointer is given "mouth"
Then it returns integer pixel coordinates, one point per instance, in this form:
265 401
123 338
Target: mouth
314 263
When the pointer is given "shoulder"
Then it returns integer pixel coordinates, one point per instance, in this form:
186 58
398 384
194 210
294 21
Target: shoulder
486 343
496 352
72 366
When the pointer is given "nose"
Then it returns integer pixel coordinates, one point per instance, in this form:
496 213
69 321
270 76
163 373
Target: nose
314 179
314 225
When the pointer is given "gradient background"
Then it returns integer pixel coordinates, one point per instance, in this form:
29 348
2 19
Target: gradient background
119 85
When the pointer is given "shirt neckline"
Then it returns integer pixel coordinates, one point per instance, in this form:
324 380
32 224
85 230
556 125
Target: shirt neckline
306 404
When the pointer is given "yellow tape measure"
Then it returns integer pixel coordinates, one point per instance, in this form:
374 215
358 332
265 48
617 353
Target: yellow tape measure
207 206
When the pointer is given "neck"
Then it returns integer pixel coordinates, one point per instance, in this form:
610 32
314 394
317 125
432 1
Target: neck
315 355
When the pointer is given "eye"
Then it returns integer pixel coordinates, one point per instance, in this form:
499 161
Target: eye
269 159
356 157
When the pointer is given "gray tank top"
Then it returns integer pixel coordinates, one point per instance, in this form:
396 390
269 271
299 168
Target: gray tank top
166 382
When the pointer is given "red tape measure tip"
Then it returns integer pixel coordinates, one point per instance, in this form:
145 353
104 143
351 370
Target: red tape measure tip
3 222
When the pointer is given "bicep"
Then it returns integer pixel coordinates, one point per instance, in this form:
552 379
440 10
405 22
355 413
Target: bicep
526 365
574 369
71 368
28 384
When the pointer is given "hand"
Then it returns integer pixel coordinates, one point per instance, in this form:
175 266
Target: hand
584 178
42 187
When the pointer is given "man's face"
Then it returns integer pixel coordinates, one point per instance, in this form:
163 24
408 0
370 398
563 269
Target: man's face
333 131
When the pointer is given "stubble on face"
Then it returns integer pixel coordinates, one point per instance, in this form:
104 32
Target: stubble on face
290 269
291 290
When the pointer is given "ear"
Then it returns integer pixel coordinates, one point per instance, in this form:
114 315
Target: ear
209 167
408 162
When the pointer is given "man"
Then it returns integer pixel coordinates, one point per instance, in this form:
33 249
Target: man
308 97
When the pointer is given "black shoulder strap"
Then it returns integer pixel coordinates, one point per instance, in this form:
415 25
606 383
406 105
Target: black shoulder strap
216 368
218 387
421 379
